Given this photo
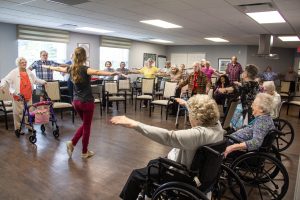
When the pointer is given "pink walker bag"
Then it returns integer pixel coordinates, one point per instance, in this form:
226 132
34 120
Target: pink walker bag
41 116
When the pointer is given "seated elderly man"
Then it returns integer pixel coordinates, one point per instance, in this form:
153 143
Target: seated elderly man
206 129
269 88
251 137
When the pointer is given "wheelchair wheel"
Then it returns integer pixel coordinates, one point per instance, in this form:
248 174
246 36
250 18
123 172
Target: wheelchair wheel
32 139
178 191
229 179
56 133
286 136
262 174
43 129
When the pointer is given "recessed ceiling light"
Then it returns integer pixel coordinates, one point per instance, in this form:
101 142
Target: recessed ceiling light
216 39
266 17
289 38
161 23
161 41
94 30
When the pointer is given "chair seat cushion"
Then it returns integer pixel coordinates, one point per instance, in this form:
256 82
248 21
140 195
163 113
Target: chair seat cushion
297 103
97 100
61 105
144 97
7 103
8 108
161 102
284 94
116 98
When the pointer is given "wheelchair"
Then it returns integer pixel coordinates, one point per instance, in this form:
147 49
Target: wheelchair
261 171
176 181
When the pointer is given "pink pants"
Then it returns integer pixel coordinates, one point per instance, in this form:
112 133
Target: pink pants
85 111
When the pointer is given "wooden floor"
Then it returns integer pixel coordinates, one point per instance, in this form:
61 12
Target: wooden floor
44 171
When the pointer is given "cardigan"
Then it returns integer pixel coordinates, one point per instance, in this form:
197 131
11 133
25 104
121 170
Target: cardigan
184 142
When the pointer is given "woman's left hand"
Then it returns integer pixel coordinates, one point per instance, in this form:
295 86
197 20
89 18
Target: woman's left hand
124 121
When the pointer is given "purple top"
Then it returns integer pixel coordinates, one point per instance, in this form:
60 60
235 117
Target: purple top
234 71
208 72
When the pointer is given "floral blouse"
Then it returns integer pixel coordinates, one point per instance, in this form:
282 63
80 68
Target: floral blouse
248 91
254 134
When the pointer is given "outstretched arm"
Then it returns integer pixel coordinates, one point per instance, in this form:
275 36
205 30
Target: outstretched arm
91 71
59 69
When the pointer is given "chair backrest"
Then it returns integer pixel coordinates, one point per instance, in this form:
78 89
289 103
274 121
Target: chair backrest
278 109
111 87
213 80
52 90
207 162
285 86
229 114
210 93
6 96
269 140
148 85
169 89
124 84
97 91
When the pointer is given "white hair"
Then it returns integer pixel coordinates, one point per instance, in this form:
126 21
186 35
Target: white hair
203 109
269 87
265 102
18 60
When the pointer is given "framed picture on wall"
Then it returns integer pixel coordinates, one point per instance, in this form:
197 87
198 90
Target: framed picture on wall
223 62
161 60
86 47
149 55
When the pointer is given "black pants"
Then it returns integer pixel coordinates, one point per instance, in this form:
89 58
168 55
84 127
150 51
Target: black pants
137 180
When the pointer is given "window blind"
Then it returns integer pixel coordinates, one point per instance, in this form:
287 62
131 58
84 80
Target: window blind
114 42
42 34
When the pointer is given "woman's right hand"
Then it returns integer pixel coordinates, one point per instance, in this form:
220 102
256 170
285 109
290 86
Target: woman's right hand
124 121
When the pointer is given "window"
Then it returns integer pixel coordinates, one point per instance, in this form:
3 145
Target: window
115 55
30 50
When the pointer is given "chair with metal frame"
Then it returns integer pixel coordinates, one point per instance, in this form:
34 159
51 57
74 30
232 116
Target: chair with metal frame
125 85
6 104
168 98
97 92
147 91
112 94
53 91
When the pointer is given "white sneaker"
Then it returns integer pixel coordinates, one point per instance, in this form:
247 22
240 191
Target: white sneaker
88 154
70 148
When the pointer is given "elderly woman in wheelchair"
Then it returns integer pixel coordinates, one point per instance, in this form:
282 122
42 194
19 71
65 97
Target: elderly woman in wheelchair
206 129
252 156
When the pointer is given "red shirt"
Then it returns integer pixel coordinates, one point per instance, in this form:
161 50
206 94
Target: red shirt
25 87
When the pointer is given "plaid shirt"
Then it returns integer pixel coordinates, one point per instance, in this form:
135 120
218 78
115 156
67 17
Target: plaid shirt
42 73
201 81
234 72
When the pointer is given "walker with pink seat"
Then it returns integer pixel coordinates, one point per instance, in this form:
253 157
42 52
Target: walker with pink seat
38 113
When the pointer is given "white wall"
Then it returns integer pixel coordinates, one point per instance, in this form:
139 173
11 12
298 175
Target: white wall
8 48
213 53
138 49
92 40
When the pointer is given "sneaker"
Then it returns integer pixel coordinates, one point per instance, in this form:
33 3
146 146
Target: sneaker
88 154
70 148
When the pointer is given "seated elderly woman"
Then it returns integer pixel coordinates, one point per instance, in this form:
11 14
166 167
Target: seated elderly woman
269 88
251 137
206 129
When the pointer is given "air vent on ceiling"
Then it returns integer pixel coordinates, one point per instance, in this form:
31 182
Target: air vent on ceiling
68 2
256 7
67 26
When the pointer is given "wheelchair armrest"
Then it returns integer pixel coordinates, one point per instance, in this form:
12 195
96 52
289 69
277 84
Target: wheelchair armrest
172 163
232 138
